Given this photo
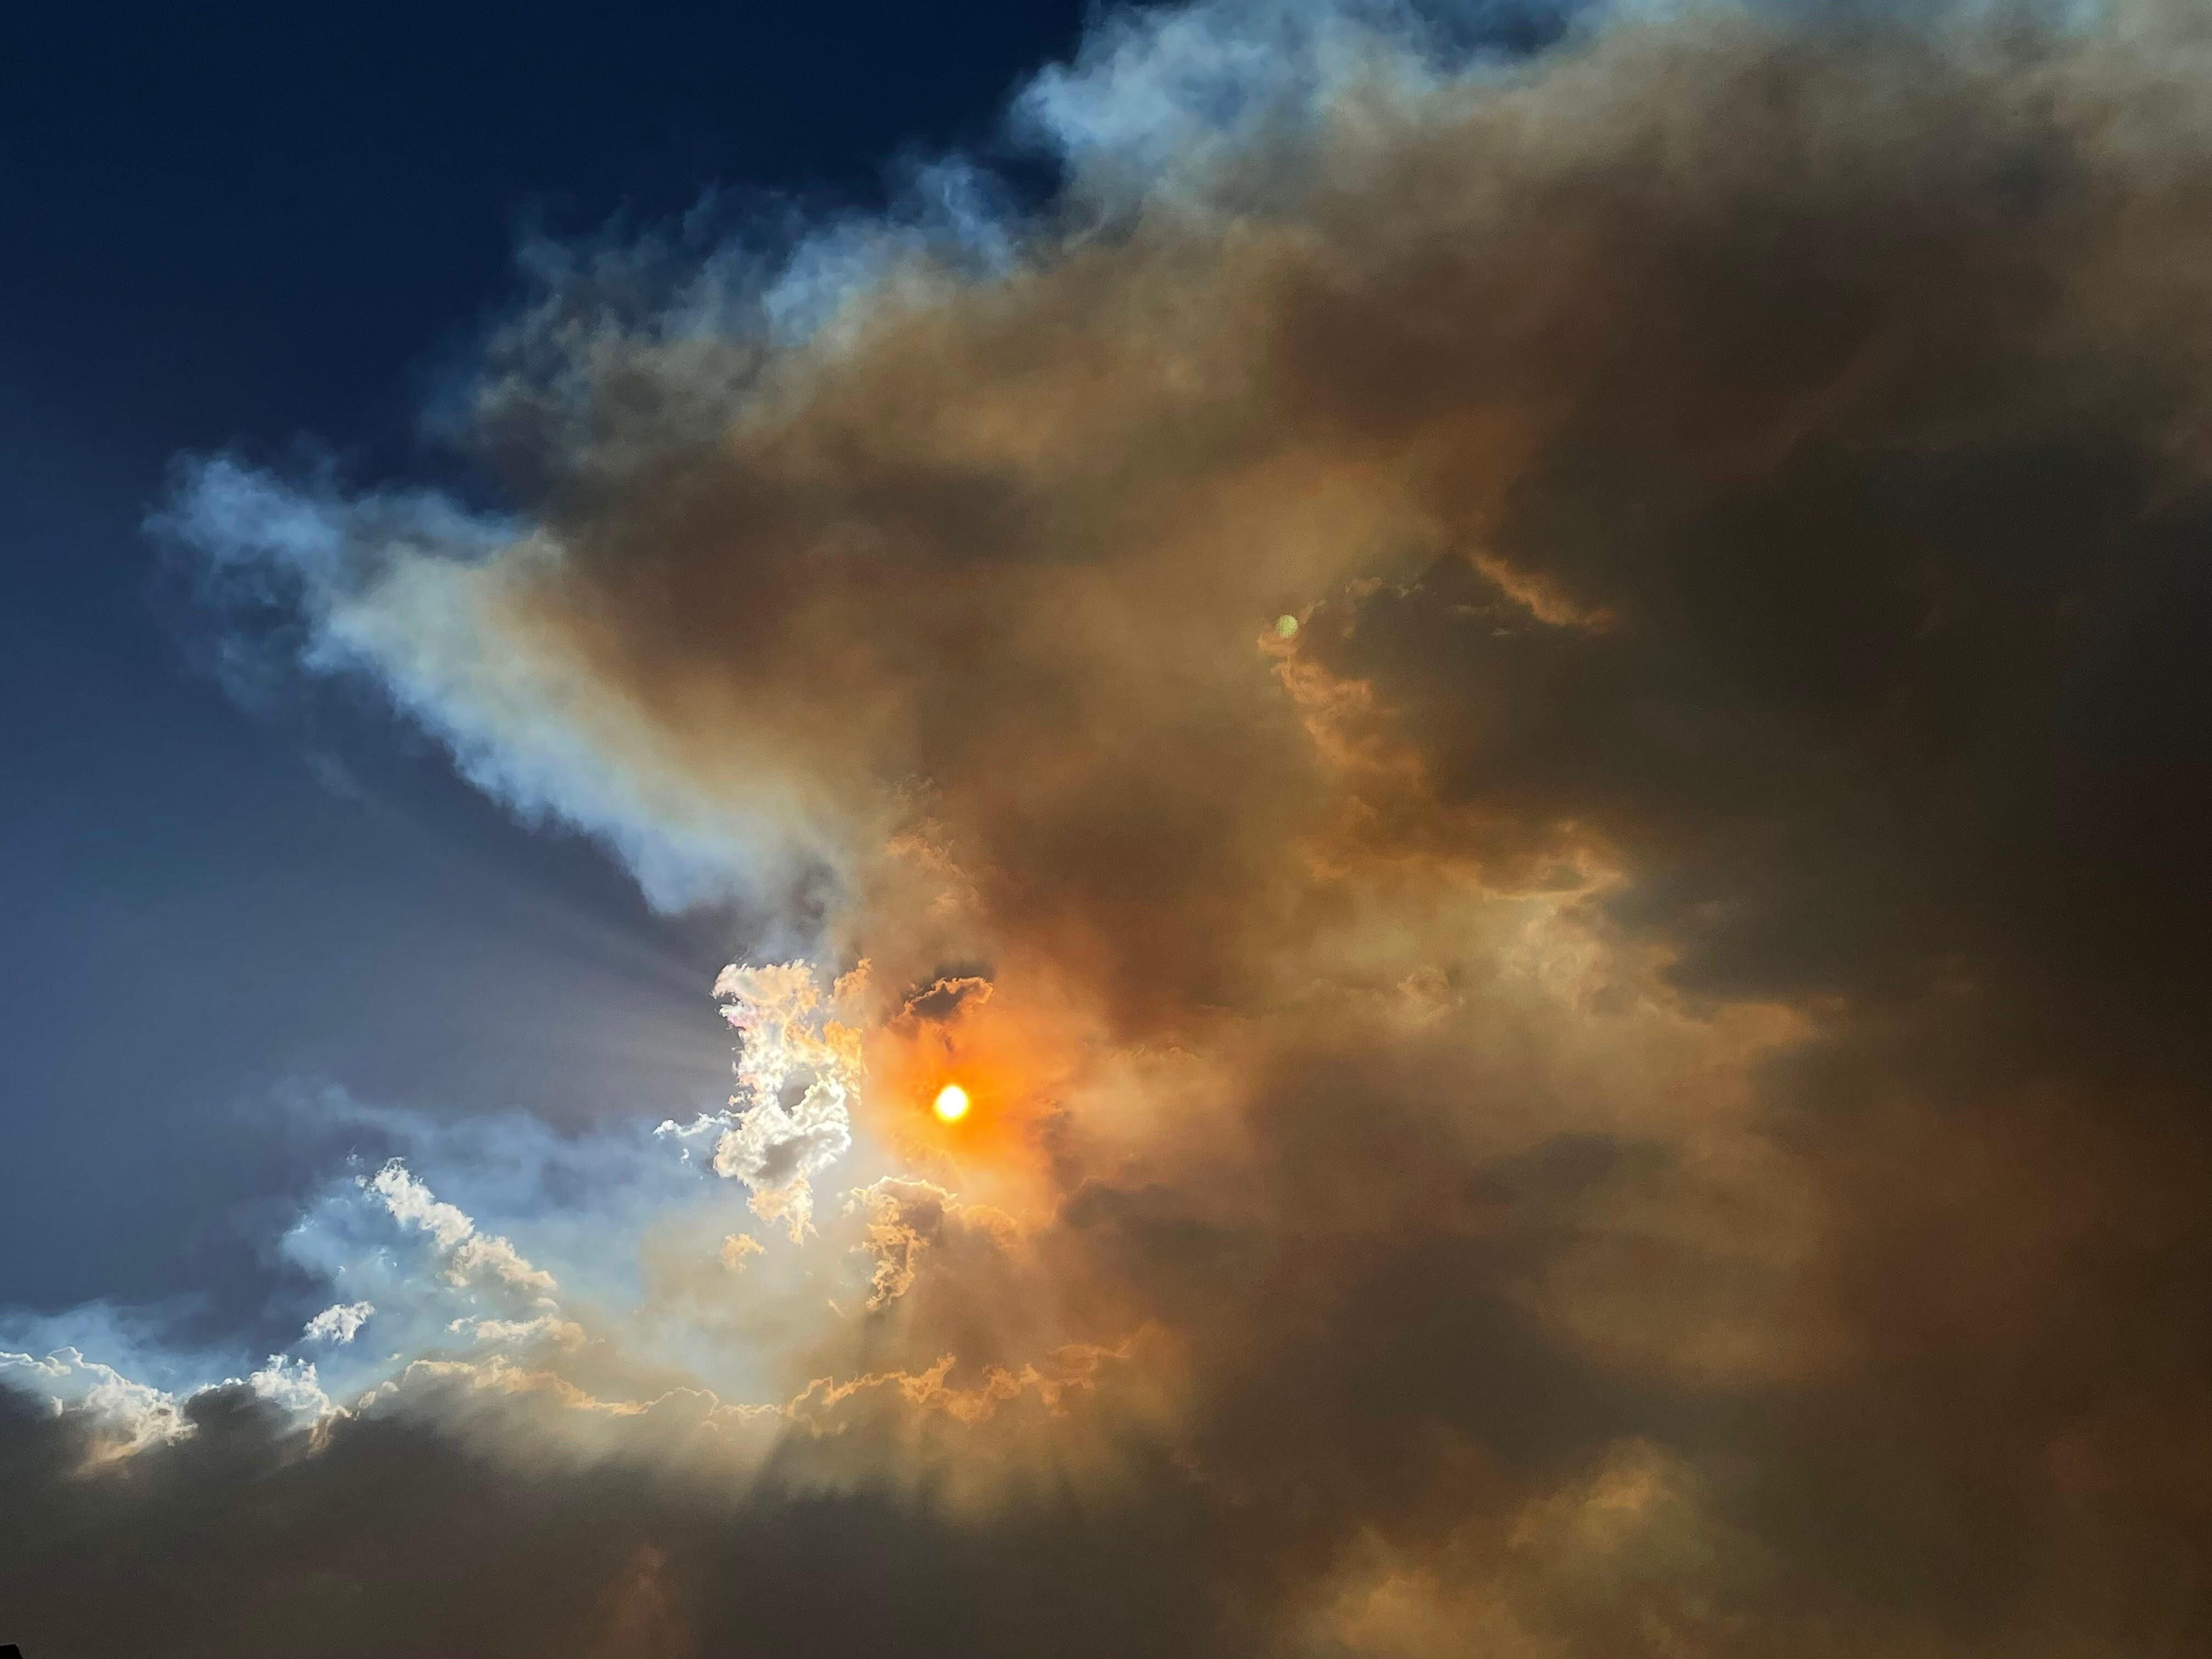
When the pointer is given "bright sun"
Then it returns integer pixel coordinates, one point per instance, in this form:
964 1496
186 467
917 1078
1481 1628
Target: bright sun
951 1103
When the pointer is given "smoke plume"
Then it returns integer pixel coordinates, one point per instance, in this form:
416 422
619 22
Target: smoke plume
1532 726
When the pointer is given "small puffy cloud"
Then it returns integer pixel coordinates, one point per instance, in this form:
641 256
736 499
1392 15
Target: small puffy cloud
412 1203
290 1384
339 1322
470 1256
495 1257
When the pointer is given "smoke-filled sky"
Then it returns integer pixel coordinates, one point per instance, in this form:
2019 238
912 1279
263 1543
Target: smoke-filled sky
1332 830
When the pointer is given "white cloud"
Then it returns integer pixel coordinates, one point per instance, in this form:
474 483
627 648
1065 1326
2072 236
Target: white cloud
340 1323
400 584
470 1256
131 1415
784 1040
410 1201
290 1383
495 1256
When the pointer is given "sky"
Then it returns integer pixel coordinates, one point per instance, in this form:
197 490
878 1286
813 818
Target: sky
247 228
1311 829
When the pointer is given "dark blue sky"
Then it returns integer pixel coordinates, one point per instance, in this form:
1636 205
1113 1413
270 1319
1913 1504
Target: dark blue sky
229 225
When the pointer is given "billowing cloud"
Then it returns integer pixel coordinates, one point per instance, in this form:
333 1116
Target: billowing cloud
120 1416
1632 1082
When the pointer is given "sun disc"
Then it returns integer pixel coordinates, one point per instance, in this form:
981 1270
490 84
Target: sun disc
951 1104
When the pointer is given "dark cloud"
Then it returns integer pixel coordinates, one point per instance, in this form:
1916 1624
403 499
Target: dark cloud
389 1538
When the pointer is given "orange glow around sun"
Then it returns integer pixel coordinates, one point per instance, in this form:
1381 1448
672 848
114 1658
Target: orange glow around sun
966 1093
